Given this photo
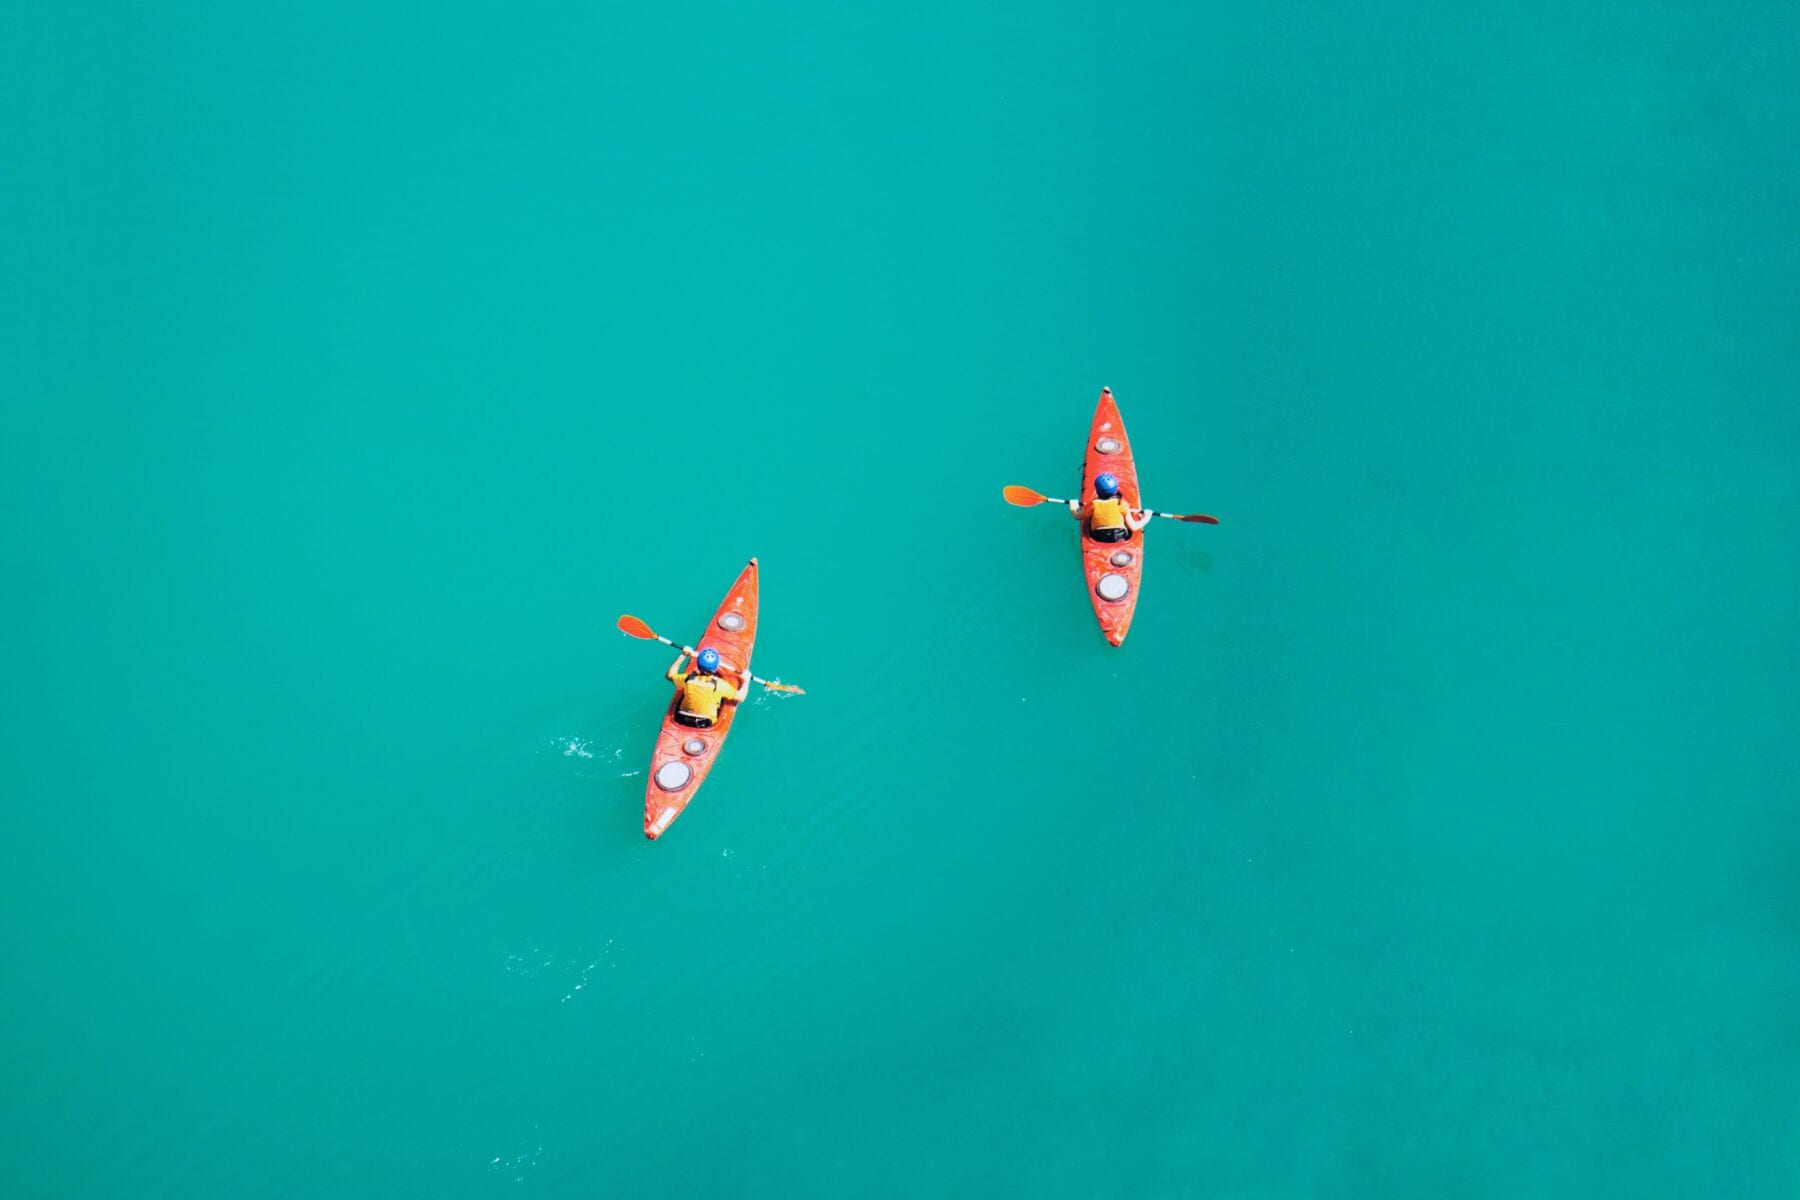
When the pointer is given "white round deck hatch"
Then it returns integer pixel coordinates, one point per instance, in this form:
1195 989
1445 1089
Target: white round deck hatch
1112 587
693 746
731 622
1109 445
1120 558
673 775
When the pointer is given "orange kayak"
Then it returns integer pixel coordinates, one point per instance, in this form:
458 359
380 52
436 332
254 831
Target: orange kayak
1113 568
684 755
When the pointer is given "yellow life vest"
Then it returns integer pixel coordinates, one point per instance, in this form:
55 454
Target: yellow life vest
1107 514
701 696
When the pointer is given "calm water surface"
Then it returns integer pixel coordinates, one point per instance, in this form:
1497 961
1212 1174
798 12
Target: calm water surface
1432 835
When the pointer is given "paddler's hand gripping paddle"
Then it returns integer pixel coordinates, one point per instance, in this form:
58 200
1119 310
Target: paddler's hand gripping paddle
632 627
1024 497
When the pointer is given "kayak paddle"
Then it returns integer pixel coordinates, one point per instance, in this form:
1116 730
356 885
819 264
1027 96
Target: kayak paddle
632 627
1024 497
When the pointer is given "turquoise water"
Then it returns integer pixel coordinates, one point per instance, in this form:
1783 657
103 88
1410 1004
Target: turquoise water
1432 834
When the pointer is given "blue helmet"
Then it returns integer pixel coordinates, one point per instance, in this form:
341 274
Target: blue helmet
1106 484
708 660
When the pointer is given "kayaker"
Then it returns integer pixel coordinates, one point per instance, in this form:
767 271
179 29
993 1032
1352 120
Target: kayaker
703 691
1107 517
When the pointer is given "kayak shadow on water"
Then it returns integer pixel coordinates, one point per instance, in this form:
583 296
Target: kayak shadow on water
595 775
1194 557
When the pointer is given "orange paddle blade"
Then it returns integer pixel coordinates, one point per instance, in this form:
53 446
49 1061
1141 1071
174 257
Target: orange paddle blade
1024 497
632 627
1201 519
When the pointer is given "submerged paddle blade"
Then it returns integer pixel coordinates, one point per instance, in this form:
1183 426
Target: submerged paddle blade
785 687
1024 497
630 626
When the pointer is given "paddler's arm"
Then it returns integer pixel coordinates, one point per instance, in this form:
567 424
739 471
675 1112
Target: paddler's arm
1137 518
675 671
1078 510
743 688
